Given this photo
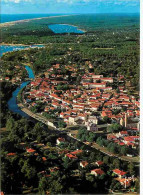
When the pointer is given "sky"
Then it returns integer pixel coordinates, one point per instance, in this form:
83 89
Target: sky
69 6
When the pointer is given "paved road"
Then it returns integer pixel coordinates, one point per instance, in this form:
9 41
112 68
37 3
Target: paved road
104 150
35 116
94 145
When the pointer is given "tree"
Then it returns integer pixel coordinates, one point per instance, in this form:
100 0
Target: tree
106 159
81 134
123 150
61 124
56 187
112 147
10 124
92 156
118 90
131 168
95 185
99 141
63 145
28 170
106 119
116 163
114 182
43 184
90 137
137 185
114 128
90 178
66 162
117 186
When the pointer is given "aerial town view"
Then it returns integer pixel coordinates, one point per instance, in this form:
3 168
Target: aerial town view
70 97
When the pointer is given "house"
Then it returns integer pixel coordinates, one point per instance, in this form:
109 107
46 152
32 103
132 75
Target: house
70 156
106 113
60 140
54 169
97 172
125 182
77 152
116 105
94 85
92 127
83 164
110 80
121 143
128 140
30 150
11 154
99 163
72 120
44 158
62 115
94 107
93 119
121 174
95 76
7 78
46 109
134 130
123 133
111 137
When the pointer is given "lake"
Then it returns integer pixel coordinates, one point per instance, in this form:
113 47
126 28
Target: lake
65 28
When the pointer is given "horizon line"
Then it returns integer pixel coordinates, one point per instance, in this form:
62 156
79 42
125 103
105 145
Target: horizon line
74 13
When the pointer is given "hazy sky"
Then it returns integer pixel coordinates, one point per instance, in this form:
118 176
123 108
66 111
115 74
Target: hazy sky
69 6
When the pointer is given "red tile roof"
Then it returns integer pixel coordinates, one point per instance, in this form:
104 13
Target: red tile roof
71 156
30 150
99 163
123 132
76 152
128 139
121 144
118 172
11 154
98 171
61 139
84 163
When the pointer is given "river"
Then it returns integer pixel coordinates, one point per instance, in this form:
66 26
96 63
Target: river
12 103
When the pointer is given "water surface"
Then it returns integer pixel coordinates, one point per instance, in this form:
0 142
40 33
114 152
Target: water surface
12 103
10 48
16 17
65 28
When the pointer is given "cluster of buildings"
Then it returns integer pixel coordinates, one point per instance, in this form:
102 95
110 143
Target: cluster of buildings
14 76
125 138
79 103
123 177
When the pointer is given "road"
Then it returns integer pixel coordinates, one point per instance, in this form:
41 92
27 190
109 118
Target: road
35 116
105 151
93 145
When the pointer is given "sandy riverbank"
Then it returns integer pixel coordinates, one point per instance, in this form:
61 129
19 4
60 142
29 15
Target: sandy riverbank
10 44
6 24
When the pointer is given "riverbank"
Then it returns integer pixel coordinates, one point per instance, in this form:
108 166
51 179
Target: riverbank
26 45
36 116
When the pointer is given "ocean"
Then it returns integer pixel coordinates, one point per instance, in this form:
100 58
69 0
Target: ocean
15 17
